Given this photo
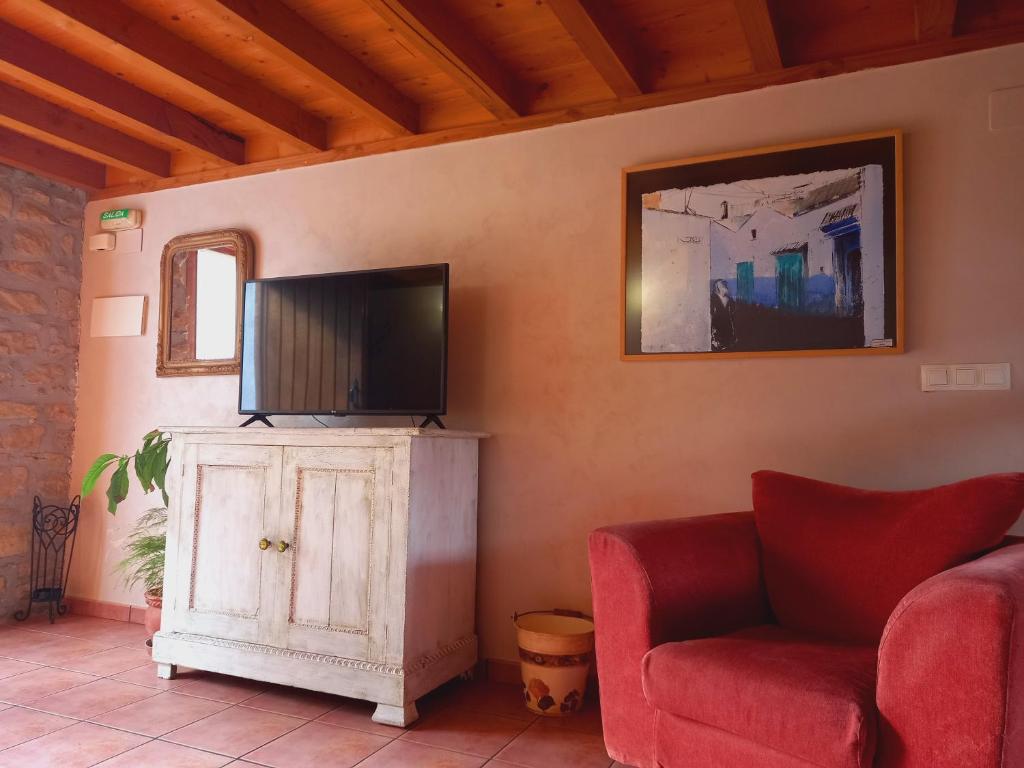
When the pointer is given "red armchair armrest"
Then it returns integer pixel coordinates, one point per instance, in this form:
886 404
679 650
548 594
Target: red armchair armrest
658 582
951 669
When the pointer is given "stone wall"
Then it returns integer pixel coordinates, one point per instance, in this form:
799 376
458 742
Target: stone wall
40 281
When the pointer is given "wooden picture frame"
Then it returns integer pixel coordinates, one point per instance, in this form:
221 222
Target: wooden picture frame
788 298
242 247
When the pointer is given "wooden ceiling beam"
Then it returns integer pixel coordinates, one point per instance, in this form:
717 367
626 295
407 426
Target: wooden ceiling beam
52 124
689 93
934 19
436 34
291 38
109 22
45 160
52 70
756 20
605 43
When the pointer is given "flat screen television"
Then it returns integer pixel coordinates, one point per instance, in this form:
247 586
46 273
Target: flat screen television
370 342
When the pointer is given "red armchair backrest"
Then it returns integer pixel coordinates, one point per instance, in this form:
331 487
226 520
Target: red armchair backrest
838 560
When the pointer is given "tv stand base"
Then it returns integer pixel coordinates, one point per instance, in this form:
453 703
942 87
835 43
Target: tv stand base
432 420
253 419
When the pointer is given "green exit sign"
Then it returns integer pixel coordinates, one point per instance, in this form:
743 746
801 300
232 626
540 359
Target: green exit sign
120 218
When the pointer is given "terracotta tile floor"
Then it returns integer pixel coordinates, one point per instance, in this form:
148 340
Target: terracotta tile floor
83 692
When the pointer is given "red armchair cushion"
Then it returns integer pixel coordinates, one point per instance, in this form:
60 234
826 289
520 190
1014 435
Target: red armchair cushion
803 697
837 560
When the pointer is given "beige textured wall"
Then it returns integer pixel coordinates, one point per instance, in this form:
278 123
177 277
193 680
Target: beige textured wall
40 278
530 224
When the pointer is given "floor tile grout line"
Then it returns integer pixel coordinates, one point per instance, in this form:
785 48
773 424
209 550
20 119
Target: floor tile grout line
28 705
405 737
56 665
91 720
147 739
390 740
295 729
105 677
26 741
63 634
96 676
76 685
39 665
99 647
227 706
117 754
208 698
111 757
435 746
26 671
239 757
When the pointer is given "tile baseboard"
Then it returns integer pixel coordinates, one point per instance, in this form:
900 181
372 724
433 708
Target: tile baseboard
101 609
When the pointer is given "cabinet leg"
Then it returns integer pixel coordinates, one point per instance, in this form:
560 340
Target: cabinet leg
166 671
400 716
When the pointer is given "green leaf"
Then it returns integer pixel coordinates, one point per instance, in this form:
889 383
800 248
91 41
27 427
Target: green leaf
153 440
149 438
118 490
143 463
89 481
159 468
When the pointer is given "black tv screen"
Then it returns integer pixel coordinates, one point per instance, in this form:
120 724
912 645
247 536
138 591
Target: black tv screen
372 342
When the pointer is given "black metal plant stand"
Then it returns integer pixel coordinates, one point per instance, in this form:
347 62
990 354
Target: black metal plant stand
53 544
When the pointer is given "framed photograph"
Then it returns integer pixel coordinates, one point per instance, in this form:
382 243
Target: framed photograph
785 250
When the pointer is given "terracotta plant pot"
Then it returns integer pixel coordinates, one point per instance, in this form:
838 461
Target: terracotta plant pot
154 607
555 651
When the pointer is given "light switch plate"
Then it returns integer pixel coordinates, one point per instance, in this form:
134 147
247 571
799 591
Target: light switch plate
1006 109
128 241
965 377
962 376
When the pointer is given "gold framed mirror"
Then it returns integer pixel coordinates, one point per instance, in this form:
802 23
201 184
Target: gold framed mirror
202 277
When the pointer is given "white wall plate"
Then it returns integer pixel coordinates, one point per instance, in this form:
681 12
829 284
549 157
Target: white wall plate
960 376
118 316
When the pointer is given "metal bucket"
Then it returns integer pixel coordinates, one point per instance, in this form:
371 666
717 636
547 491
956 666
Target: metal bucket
555 651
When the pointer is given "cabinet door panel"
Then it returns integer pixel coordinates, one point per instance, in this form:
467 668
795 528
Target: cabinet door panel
229 502
341 507
333 527
354 509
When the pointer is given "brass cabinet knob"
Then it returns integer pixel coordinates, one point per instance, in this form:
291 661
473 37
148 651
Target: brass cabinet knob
264 543
282 546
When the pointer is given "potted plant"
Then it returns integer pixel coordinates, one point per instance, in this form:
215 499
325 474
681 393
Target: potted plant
147 541
144 562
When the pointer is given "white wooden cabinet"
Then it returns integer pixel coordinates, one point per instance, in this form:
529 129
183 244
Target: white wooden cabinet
339 560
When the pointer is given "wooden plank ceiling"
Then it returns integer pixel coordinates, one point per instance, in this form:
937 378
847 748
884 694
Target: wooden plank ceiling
136 95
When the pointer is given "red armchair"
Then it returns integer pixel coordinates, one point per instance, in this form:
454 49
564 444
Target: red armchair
697 670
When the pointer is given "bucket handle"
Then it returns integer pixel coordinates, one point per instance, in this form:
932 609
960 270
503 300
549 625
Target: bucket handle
557 611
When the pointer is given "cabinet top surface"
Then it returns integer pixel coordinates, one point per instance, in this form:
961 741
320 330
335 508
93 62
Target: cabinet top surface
329 432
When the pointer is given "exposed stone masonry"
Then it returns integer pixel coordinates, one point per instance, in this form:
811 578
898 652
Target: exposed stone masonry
40 280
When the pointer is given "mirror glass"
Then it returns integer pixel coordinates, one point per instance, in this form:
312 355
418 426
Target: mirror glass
203 304
202 277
